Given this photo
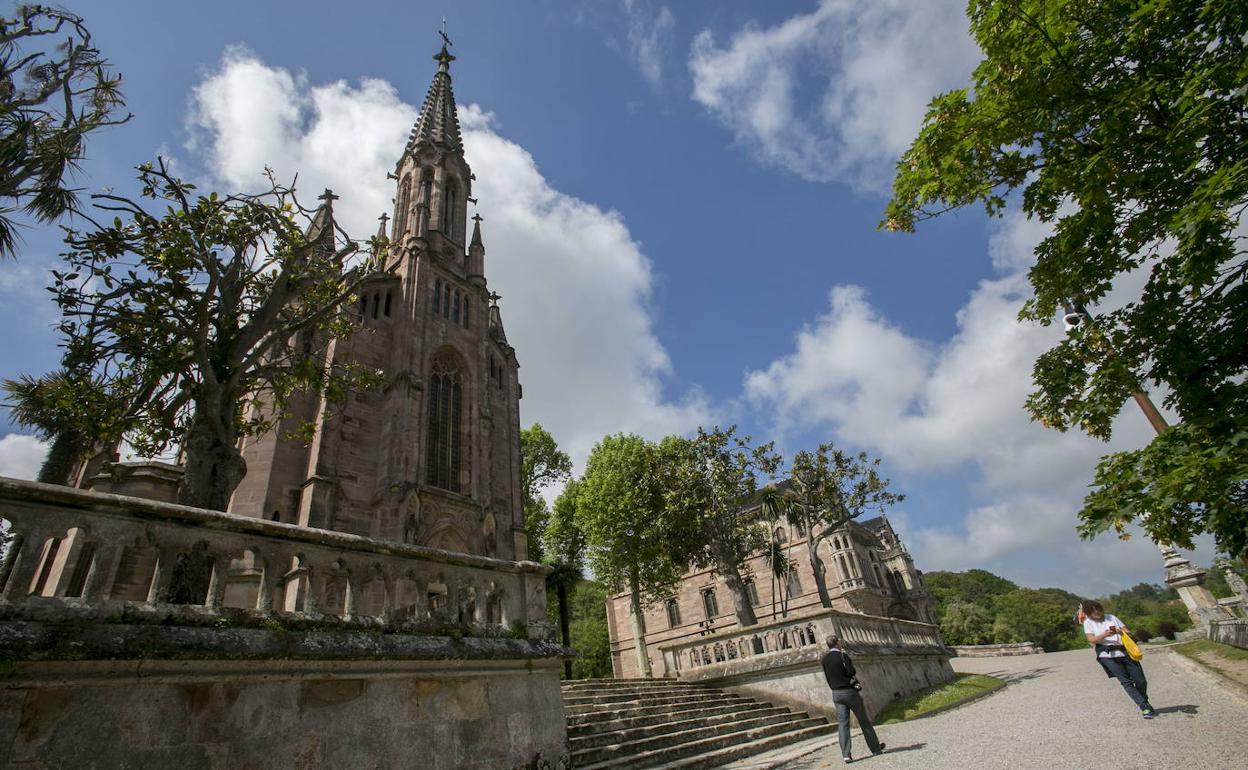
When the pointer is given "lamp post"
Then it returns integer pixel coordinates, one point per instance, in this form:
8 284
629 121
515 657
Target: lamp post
1187 580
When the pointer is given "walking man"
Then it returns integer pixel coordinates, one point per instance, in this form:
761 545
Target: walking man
839 671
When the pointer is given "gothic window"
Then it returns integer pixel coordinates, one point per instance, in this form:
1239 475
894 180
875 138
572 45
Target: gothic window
437 296
363 306
389 297
455 309
751 593
446 301
466 304
444 444
794 582
709 605
426 195
781 536
448 208
376 303
901 583
673 613
405 202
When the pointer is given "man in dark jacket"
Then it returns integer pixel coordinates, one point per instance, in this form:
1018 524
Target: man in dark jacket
839 671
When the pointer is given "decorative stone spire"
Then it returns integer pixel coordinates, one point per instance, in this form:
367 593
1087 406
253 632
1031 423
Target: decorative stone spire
496 319
321 231
438 123
476 233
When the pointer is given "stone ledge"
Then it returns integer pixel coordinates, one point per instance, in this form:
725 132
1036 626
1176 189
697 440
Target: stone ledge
31 641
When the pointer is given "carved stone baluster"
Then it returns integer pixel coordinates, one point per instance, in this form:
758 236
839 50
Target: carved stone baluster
348 596
316 589
21 564
216 584
162 577
276 565
104 565
391 601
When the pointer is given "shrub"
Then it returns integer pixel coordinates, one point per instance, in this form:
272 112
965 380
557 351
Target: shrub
1167 629
1143 634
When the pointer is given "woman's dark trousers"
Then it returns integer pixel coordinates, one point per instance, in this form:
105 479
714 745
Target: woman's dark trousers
1130 675
846 700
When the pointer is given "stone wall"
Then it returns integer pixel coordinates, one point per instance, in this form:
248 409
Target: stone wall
995 650
1232 632
780 661
437 715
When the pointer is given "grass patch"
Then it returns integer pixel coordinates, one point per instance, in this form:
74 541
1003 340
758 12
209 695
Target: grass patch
1195 649
963 687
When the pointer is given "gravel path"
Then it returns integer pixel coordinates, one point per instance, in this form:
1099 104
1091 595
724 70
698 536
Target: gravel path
1059 710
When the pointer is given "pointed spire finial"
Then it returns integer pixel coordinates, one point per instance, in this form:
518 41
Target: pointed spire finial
478 218
381 231
494 298
444 57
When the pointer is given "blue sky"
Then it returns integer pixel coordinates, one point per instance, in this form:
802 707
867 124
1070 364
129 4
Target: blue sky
680 207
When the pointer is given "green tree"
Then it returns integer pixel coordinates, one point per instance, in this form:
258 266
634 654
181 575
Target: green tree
1030 615
565 551
55 89
1123 124
203 321
711 482
542 464
826 489
975 586
966 623
590 636
629 537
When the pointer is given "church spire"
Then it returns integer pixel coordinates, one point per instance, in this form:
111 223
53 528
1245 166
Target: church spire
438 124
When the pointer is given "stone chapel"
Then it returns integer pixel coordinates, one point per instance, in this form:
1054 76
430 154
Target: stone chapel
433 458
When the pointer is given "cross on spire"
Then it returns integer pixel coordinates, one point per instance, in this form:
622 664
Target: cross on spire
494 298
477 218
445 40
327 196
384 219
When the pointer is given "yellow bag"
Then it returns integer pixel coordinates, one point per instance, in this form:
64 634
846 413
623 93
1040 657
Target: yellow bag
1133 650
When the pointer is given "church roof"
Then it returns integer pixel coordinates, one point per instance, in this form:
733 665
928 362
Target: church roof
438 122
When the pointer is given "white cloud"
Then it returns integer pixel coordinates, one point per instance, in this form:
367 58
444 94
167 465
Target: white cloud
21 456
649 36
837 93
576 286
959 408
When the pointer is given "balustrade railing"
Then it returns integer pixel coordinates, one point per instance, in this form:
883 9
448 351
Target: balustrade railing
85 548
862 634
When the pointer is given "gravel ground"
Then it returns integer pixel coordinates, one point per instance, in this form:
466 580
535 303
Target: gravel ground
1059 710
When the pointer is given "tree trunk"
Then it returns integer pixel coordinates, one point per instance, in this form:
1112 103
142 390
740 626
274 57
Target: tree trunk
639 626
214 464
740 599
561 591
61 459
816 566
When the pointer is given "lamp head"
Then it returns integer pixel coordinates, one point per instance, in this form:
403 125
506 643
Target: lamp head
1073 316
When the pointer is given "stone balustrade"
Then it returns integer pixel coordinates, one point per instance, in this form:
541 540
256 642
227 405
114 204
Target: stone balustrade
858 633
80 550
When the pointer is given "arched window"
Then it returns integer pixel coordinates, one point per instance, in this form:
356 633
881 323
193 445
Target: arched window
426 196
709 604
444 444
448 208
405 202
455 309
376 303
446 301
389 297
466 304
673 613
782 537
437 296
363 306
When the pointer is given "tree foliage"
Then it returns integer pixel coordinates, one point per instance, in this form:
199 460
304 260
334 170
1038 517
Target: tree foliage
710 482
630 540
542 464
1124 125
827 488
55 89
197 324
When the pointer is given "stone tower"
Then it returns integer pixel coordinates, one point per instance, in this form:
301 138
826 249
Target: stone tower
434 457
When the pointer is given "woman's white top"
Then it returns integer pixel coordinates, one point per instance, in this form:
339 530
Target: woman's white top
1095 628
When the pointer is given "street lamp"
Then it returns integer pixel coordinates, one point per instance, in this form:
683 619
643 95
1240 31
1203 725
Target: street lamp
1186 579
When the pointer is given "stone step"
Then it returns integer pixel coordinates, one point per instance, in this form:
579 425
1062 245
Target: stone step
715 750
675 741
592 736
634 710
592 723
719 757
635 692
657 699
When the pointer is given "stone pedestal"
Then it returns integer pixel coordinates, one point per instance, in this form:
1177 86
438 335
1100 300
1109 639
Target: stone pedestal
1189 581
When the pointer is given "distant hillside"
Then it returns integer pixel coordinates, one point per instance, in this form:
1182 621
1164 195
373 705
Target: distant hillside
978 607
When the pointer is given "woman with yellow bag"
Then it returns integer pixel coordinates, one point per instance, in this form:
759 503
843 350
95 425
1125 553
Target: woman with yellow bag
1113 644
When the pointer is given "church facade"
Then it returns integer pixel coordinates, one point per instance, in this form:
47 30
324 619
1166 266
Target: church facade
433 458
867 570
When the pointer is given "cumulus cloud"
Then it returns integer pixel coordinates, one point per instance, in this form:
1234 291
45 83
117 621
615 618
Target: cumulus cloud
21 456
837 93
576 286
957 408
649 37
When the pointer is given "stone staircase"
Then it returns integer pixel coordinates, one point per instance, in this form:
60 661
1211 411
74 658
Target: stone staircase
660 724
